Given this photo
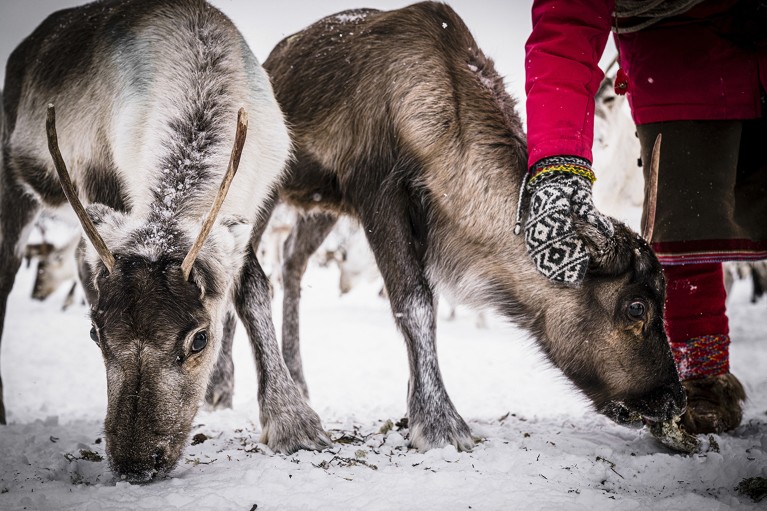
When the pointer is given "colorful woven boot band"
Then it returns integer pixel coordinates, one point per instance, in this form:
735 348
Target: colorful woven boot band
701 357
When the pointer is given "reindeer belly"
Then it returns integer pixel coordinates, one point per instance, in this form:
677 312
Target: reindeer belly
310 186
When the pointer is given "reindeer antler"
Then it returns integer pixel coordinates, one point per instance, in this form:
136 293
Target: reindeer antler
234 162
652 192
71 194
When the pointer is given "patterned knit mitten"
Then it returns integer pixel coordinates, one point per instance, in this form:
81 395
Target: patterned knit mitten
561 191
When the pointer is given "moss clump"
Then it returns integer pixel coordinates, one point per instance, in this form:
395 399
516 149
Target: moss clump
199 438
754 487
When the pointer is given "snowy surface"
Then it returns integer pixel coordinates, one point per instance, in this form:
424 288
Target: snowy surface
540 446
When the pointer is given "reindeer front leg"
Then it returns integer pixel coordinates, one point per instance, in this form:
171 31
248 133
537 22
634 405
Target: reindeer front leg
288 422
434 421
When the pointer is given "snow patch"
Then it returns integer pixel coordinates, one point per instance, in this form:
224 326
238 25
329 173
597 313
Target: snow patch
538 443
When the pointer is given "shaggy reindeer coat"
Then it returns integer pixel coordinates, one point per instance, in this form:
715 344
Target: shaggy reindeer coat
402 122
147 97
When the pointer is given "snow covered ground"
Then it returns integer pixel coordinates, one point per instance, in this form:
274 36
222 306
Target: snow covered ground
539 445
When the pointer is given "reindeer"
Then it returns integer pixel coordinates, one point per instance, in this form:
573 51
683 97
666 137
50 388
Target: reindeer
146 101
55 266
399 120
54 258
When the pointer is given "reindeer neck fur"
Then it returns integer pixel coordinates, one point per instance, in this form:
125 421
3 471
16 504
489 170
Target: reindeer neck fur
473 176
179 116
442 127
148 110
176 116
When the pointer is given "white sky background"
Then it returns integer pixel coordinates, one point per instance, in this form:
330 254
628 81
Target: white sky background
501 27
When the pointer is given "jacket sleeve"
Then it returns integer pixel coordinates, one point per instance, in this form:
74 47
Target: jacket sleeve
563 75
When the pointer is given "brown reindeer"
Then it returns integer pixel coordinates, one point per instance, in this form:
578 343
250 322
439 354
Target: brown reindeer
55 261
147 95
402 122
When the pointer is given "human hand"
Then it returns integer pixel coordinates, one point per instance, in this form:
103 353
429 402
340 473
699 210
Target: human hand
561 195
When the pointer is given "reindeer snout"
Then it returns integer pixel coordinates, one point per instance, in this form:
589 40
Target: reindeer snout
139 466
659 405
142 470
160 459
665 403
135 472
679 398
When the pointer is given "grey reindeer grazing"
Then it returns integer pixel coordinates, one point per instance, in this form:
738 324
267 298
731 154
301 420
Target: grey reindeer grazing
147 93
401 121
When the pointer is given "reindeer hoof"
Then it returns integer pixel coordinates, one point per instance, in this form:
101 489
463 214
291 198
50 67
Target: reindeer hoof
217 400
297 427
220 392
714 404
440 432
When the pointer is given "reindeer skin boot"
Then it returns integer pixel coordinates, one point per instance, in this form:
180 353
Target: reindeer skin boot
698 331
714 395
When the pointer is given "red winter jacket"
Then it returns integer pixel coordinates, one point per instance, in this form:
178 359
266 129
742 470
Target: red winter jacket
690 67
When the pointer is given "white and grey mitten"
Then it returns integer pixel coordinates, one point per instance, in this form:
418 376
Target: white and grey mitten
560 191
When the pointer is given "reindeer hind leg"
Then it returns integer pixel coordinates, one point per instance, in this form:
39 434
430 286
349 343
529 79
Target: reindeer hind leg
304 239
221 384
18 210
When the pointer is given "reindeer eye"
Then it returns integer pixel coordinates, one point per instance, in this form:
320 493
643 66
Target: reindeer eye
636 310
94 335
199 342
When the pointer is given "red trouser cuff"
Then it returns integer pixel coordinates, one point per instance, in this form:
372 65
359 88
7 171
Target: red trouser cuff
695 301
701 357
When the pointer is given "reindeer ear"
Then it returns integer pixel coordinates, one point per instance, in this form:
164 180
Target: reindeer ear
228 241
103 214
240 229
110 224
609 255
